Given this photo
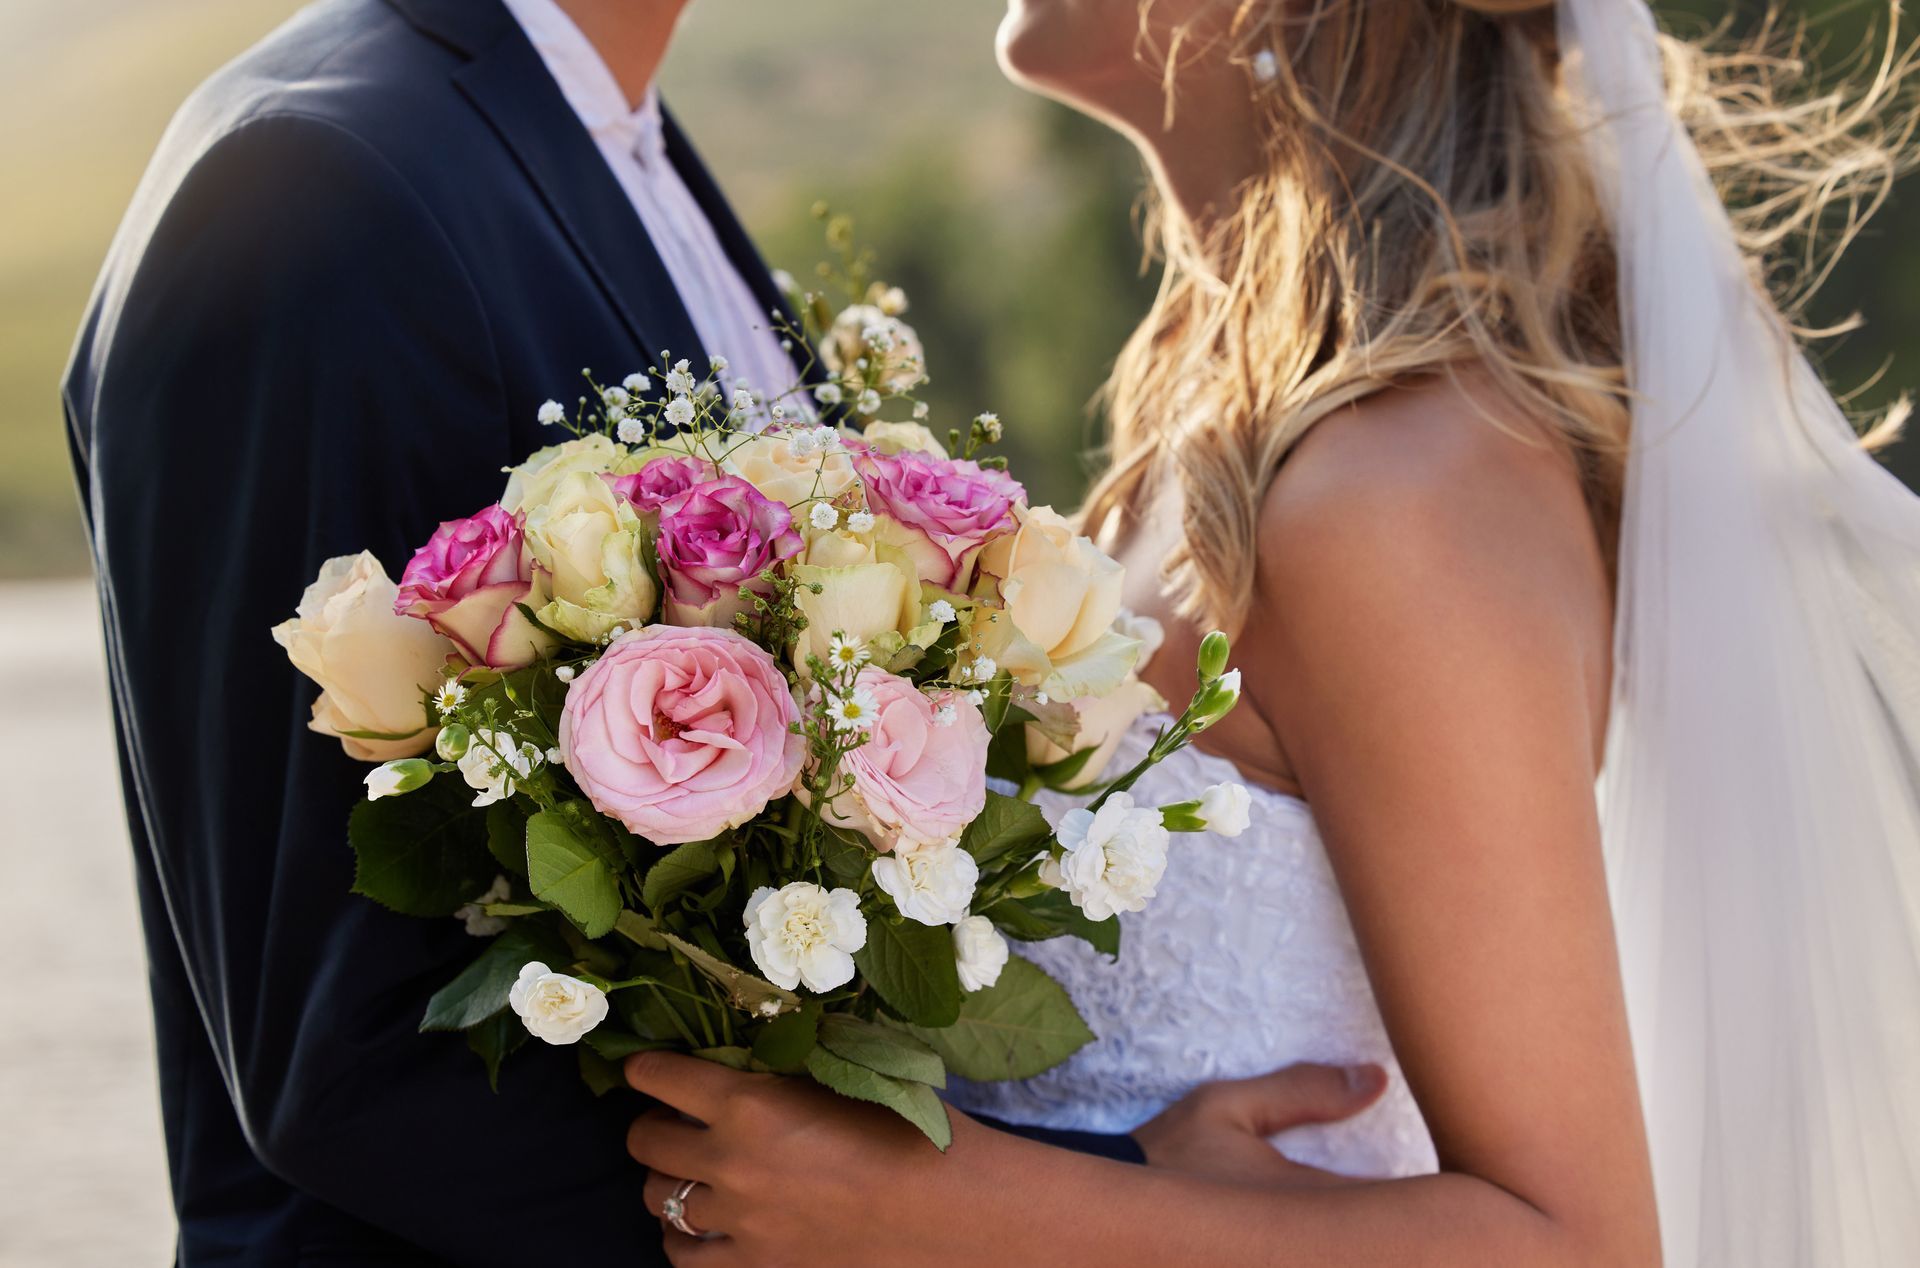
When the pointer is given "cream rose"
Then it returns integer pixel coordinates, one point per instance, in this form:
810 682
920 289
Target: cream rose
533 481
867 592
1060 595
770 464
902 438
1101 722
590 542
374 667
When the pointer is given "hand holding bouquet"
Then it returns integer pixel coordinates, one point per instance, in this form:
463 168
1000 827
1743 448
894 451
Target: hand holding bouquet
696 726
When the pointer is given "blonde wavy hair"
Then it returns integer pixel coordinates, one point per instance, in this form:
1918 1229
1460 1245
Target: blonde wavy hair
1427 205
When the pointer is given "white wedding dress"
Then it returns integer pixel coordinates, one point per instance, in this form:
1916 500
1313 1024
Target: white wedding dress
1242 963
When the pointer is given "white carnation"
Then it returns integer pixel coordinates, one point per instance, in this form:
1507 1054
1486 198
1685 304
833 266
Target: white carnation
492 764
932 884
979 952
555 1007
1113 858
1227 808
805 934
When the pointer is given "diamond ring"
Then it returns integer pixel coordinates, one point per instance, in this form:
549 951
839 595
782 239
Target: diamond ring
674 1209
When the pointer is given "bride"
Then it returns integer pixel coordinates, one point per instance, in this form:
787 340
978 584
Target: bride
1461 406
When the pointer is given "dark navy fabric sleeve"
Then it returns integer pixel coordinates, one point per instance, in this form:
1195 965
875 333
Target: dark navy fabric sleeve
299 368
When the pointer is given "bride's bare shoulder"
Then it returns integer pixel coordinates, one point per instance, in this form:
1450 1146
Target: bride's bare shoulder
1446 472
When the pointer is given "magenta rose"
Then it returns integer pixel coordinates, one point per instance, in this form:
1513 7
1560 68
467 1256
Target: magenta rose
659 482
715 538
921 777
681 733
469 581
940 510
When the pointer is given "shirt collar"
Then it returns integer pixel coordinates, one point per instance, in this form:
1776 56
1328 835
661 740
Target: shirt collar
588 85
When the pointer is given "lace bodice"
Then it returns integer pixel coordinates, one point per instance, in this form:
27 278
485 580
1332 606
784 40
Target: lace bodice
1244 962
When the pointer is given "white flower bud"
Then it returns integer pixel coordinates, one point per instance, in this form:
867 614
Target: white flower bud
395 778
979 952
1227 809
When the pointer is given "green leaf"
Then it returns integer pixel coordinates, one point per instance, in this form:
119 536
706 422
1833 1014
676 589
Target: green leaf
911 966
481 989
1023 1025
783 1044
601 1075
915 1102
571 871
1053 915
886 1049
1005 825
744 991
845 855
424 854
493 1040
1063 774
507 835
678 870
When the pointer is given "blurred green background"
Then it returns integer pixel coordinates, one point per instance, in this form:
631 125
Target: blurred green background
1009 221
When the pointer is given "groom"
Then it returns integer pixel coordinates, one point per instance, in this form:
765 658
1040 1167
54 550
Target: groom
364 254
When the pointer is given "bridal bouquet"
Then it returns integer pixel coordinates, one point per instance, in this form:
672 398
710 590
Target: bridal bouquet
695 727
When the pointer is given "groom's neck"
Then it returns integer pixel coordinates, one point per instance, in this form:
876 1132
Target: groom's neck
631 37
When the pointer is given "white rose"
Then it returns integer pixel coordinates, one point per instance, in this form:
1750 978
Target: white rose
1061 595
533 481
768 463
1101 723
932 884
1227 808
589 541
979 952
374 667
805 934
555 1007
492 765
1112 859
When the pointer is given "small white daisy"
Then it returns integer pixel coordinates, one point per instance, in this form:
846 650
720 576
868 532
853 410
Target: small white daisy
847 653
450 697
552 414
854 711
942 611
824 517
860 522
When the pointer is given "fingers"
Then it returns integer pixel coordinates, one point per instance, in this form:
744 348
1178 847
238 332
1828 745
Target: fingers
1300 1094
662 1141
689 1084
701 1207
699 1252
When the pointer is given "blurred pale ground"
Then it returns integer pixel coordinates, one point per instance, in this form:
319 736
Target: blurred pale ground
1008 220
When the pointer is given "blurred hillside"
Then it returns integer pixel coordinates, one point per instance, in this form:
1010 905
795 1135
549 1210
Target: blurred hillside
1007 219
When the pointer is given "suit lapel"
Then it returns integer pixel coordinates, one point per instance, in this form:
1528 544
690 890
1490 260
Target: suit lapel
507 82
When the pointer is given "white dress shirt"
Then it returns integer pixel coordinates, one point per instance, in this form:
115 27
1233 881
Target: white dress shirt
727 317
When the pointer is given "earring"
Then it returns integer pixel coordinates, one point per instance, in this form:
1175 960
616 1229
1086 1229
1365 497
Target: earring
1266 66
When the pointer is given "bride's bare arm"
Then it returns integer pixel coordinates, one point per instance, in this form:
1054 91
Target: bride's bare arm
1431 611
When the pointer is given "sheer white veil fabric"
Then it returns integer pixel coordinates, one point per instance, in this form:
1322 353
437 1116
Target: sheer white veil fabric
1761 801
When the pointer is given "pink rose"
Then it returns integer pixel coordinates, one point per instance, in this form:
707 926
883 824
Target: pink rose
659 482
468 581
681 733
921 777
942 510
715 538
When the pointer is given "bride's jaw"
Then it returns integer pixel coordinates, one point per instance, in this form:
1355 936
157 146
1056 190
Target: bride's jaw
1201 144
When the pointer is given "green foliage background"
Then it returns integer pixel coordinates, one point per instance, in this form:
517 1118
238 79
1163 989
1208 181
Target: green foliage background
1009 221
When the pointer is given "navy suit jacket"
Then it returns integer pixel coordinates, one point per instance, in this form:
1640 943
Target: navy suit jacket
363 255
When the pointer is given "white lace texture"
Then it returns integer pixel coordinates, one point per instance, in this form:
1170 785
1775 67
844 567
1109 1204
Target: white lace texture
1243 963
